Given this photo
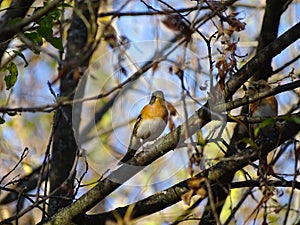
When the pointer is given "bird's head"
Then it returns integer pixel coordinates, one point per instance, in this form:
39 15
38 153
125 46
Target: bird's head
257 87
155 95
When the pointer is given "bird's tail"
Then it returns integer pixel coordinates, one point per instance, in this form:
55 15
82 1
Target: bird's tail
134 145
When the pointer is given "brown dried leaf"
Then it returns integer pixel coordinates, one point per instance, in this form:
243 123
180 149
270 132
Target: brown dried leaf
231 46
172 109
186 197
202 192
229 31
154 67
171 124
235 23
196 182
194 160
175 69
110 35
176 23
221 32
220 62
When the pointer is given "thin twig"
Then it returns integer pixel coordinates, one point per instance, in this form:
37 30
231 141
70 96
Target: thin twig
23 156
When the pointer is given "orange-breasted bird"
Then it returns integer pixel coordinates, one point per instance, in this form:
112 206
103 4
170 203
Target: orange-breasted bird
266 107
149 125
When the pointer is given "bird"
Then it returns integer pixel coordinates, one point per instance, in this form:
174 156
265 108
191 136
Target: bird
149 125
266 107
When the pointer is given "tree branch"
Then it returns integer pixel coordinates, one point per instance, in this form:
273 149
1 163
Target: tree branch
269 31
62 169
17 9
220 173
170 141
273 49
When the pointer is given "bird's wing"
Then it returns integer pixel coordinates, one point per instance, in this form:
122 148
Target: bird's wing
136 125
134 145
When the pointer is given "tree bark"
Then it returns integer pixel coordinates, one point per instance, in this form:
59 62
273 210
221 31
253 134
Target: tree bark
79 49
269 31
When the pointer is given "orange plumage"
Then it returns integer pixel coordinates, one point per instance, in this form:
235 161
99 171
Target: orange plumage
149 125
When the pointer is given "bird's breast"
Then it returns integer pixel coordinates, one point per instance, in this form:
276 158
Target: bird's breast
150 129
267 107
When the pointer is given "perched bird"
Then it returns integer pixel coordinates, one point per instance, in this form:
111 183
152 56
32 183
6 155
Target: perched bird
149 125
266 107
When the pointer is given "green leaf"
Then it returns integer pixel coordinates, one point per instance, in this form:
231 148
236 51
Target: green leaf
296 119
267 122
57 43
201 141
63 5
2 121
18 53
36 38
256 131
45 30
11 78
250 142
55 14
263 124
46 22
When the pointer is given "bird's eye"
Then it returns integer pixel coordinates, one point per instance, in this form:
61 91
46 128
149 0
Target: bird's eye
152 100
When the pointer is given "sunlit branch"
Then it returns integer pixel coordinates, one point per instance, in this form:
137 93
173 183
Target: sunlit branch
246 100
251 120
219 172
286 64
150 13
273 49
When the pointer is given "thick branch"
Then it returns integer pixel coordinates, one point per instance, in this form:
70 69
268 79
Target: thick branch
170 141
273 49
246 100
64 150
125 172
269 30
220 173
261 65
